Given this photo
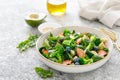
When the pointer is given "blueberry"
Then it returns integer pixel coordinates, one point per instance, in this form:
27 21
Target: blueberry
76 63
76 59
68 49
95 48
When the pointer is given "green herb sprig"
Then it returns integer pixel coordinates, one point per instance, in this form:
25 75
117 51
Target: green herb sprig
43 72
30 42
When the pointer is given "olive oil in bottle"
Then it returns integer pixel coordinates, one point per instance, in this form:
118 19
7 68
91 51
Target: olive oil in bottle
56 7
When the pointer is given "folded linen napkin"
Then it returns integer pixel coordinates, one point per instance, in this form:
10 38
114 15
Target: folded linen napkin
106 11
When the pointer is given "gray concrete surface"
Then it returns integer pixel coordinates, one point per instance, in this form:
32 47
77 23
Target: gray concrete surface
13 29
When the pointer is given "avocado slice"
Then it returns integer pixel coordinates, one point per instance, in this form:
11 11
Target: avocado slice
35 19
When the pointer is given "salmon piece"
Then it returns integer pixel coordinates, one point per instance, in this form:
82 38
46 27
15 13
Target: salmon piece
45 51
61 34
78 41
80 52
67 62
102 53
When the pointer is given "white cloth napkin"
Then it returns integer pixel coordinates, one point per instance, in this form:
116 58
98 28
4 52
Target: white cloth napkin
106 11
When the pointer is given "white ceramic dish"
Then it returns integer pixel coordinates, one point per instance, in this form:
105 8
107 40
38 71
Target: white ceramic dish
48 26
74 68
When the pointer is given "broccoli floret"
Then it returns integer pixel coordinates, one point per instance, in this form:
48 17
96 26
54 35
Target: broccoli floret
70 43
90 46
58 53
97 41
66 32
83 61
85 42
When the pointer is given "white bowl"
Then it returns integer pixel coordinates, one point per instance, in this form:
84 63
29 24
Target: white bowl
74 68
48 26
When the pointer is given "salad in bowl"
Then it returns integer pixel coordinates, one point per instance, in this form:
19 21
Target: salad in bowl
71 47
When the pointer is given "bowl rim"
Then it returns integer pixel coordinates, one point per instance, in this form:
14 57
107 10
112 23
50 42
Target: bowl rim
106 57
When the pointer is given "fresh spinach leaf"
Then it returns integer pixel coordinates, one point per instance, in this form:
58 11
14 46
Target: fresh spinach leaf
43 72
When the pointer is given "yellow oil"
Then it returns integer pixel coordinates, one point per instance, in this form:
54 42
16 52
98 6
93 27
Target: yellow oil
56 9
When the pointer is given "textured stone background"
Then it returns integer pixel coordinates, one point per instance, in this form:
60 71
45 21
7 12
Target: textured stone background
13 29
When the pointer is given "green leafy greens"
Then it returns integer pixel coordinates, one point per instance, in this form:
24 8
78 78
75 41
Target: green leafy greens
72 48
43 72
30 42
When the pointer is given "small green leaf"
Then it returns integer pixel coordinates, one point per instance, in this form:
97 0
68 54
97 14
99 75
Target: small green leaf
46 43
43 72
96 58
